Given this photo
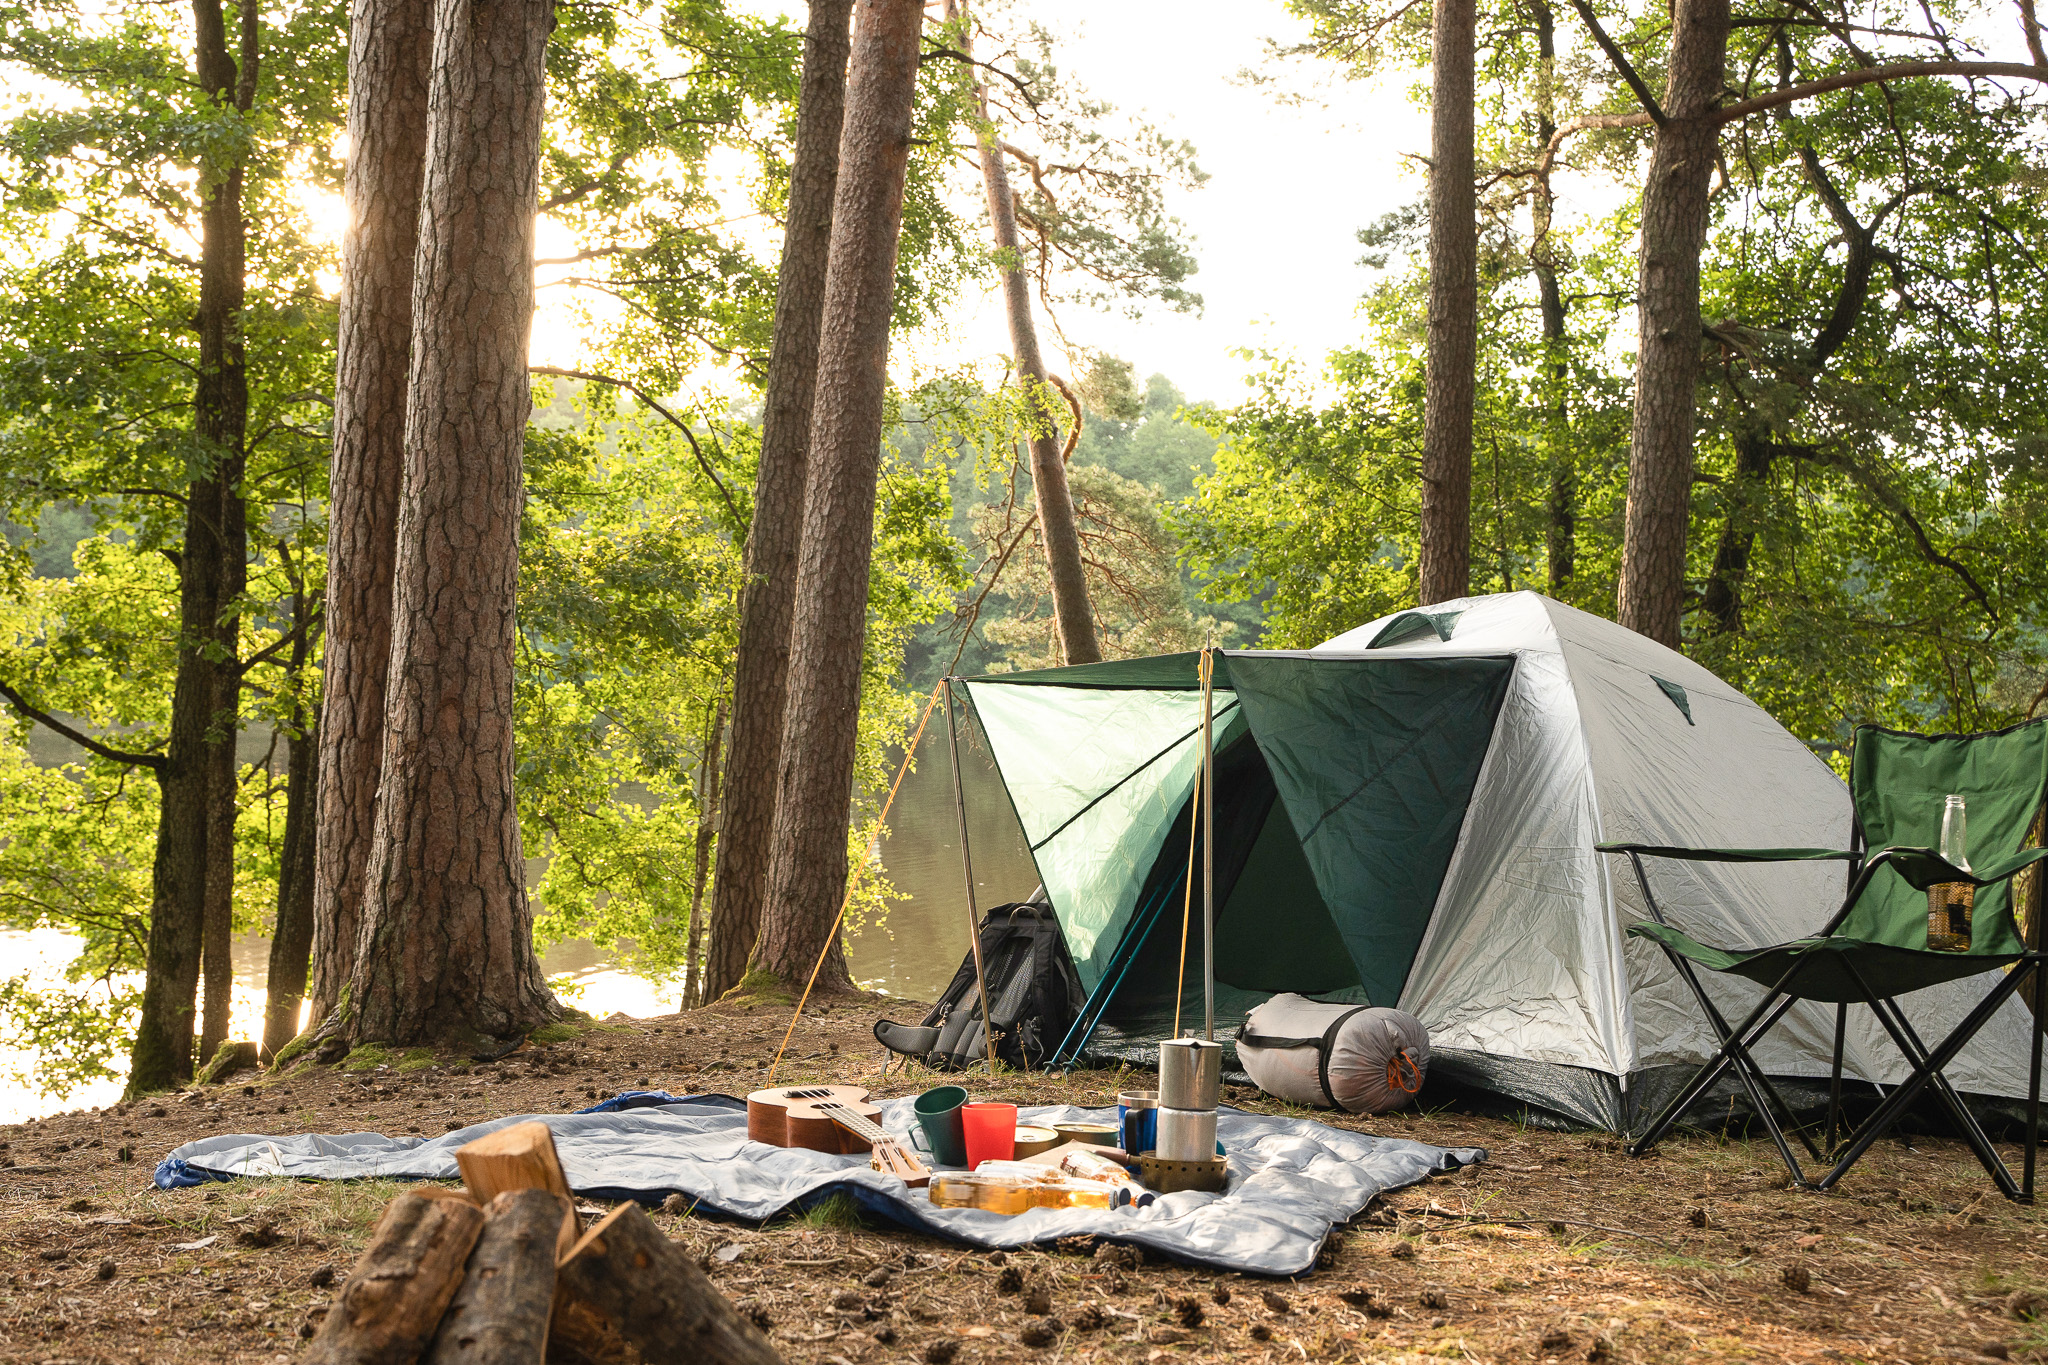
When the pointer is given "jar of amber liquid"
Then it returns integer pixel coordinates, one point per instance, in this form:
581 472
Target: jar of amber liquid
1948 916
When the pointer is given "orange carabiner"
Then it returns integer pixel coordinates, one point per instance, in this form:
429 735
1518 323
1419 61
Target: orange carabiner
1403 1074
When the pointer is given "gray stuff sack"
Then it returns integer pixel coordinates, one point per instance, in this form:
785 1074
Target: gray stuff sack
1358 1057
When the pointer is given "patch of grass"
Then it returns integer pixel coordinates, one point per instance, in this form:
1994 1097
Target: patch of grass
838 1211
415 1060
555 1033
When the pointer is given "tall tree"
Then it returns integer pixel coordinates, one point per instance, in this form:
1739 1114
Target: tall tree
1446 530
808 871
1674 216
1561 500
390 44
195 842
445 951
1058 531
767 598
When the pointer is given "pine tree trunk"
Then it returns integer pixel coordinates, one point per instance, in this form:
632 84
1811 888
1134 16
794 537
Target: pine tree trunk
710 812
291 938
1059 532
1446 558
390 42
1674 215
1561 502
807 872
162 1054
761 666
446 947
211 568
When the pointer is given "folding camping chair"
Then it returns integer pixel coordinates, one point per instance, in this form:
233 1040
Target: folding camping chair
1875 947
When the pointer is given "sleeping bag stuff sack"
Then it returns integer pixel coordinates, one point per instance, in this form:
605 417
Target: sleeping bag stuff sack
1357 1057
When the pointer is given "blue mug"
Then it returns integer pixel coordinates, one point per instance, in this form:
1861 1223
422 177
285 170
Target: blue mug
1137 1120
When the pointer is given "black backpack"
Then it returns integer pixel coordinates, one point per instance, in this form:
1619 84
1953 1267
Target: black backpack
1033 996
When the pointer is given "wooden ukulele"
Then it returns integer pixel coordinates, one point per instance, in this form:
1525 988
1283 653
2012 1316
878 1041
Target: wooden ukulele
831 1118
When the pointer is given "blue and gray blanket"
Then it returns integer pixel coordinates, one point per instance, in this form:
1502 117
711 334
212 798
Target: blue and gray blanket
1291 1180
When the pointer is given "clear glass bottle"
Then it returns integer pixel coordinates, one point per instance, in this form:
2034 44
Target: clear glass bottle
1949 903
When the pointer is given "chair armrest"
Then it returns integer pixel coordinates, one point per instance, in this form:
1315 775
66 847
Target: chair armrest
1733 855
1923 867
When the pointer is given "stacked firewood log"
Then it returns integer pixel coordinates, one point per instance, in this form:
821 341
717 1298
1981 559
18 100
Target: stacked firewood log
501 1274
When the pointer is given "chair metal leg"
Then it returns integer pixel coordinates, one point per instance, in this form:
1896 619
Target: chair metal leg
1835 1076
1888 1113
1733 1043
1967 1127
2034 1080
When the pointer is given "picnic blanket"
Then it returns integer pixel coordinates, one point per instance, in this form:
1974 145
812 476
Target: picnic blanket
1291 1180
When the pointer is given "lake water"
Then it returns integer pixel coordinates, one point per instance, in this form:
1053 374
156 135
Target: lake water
912 952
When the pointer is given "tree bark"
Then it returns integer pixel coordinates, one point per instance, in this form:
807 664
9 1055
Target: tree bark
807 872
291 939
390 42
1058 531
500 1314
652 1291
445 951
1446 558
709 816
768 597
211 568
1561 500
1674 218
1721 599
392 1301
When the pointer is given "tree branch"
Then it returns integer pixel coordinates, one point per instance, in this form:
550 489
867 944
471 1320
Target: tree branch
1896 505
1580 125
271 650
21 704
1621 62
2031 26
629 386
1869 75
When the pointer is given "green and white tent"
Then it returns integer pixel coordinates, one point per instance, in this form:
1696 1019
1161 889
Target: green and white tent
1406 815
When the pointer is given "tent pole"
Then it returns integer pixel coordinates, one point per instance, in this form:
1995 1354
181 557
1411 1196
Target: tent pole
1208 843
988 1034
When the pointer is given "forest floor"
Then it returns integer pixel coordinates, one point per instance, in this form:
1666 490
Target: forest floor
1697 1253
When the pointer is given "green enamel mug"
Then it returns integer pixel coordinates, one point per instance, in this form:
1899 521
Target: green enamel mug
938 1114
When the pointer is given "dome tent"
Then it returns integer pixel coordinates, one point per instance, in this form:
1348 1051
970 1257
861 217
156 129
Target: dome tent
1406 815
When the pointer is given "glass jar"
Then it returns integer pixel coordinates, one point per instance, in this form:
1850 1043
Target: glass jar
1949 904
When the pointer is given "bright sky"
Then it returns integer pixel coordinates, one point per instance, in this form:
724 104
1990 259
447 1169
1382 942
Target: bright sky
1273 227
1288 187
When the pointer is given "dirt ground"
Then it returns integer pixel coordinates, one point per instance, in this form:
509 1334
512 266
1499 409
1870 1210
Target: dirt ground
1697 1253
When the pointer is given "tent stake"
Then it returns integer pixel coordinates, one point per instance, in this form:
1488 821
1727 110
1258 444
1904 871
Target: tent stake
988 1034
1208 844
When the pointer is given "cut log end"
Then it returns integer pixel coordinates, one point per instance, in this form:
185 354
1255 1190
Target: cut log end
521 1157
655 1296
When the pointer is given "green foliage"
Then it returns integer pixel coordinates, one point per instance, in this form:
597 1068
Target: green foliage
1863 541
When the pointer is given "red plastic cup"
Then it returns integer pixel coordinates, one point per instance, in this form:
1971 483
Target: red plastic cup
990 1128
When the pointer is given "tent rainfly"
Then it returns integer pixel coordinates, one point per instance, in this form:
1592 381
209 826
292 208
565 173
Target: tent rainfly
1406 815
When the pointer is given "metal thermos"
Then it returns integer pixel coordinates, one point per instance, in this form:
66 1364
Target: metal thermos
1186 1134
1190 1072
